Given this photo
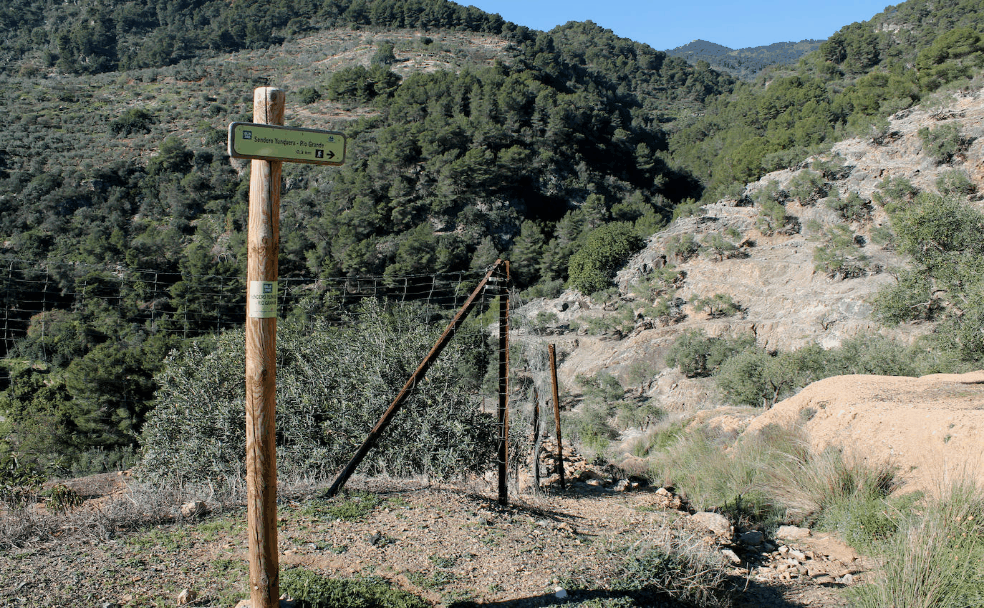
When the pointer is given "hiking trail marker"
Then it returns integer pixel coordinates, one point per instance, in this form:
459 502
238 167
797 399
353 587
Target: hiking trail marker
287 144
269 145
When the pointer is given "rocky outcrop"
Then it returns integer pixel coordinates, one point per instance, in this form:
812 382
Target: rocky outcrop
784 301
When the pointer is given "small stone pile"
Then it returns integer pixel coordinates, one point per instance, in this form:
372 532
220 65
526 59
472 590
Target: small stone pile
798 554
794 554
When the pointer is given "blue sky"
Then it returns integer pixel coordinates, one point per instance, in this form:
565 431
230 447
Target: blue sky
666 25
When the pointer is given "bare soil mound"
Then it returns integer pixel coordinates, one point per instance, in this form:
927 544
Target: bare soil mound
931 428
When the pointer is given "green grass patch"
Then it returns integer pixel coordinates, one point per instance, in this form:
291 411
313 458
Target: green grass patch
230 575
159 539
212 530
348 507
772 477
686 573
441 561
313 590
678 570
659 440
434 581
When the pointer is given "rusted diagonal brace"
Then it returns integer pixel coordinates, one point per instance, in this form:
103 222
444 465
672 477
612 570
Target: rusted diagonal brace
411 384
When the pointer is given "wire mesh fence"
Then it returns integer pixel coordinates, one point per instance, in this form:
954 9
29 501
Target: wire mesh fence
378 328
193 304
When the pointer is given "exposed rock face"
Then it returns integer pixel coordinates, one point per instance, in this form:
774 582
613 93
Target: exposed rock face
785 302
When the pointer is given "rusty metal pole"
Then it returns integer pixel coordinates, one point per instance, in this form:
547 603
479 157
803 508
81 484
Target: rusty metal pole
556 404
261 362
503 451
536 440
411 384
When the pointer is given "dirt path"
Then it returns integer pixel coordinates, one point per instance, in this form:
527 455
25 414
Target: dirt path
454 546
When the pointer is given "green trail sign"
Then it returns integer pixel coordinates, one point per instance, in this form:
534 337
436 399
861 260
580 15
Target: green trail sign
289 144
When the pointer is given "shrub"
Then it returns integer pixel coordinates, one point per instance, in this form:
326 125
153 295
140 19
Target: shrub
840 256
384 54
832 169
633 414
333 384
783 159
909 299
591 425
545 289
357 84
658 282
684 569
882 356
753 377
214 137
20 484
602 387
771 192
133 121
698 355
308 95
60 498
667 310
682 246
895 190
604 251
955 182
687 208
945 240
808 187
718 305
943 143
851 209
883 236
718 246
933 229
772 213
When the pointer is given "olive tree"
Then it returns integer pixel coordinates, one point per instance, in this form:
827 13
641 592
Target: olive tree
333 384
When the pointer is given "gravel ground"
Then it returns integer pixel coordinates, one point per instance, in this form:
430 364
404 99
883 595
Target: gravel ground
452 545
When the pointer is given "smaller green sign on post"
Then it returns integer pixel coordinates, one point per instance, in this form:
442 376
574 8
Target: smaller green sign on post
289 144
261 302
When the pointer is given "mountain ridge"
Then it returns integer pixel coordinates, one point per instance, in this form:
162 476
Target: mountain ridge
748 62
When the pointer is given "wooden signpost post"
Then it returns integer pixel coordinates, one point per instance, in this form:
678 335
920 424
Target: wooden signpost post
556 403
269 145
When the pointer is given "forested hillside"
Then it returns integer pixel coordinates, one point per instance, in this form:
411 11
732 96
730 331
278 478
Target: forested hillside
744 63
469 138
524 151
864 72
92 37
